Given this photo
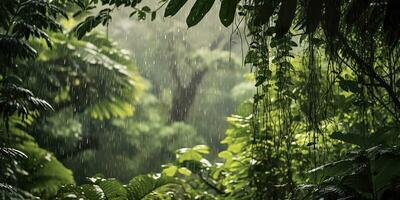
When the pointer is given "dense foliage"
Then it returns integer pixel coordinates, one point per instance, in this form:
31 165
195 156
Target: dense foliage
323 122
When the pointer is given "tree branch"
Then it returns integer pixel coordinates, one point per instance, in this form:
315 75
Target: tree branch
369 70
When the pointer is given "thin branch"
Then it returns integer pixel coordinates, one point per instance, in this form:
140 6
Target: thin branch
369 70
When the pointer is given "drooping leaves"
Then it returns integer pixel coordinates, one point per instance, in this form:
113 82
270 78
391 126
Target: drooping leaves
264 12
173 7
366 173
92 22
285 17
227 11
198 11
140 187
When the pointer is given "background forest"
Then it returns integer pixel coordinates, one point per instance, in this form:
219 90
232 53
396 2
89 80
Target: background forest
177 99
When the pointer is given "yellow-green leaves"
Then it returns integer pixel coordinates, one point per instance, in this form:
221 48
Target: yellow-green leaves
204 149
185 171
173 7
170 170
198 11
192 153
227 155
227 11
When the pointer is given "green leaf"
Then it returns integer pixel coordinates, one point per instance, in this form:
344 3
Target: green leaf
332 169
141 186
204 149
225 154
351 138
193 165
146 9
93 192
387 168
173 7
113 189
264 12
251 57
227 11
185 171
349 85
285 17
260 80
170 170
189 155
198 11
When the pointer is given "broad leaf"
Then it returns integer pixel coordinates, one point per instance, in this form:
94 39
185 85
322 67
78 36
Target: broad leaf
173 7
198 11
227 11
141 186
264 12
285 17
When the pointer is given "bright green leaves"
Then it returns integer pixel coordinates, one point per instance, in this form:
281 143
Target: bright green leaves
204 149
285 17
41 168
170 170
227 155
189 160
140 187
227 11
173 7
198 11
144 185
194 153
185 171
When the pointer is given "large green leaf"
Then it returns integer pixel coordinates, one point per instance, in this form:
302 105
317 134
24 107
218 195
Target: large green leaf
285 17
351 138
264 12
141 186
386 168
198 11
173 7
332 169
113 189
227 11
45 174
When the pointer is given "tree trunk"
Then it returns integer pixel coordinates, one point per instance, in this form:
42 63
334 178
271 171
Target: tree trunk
183 97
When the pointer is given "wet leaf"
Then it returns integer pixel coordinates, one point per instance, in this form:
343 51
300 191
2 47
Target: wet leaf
227 11
173 7
198 11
